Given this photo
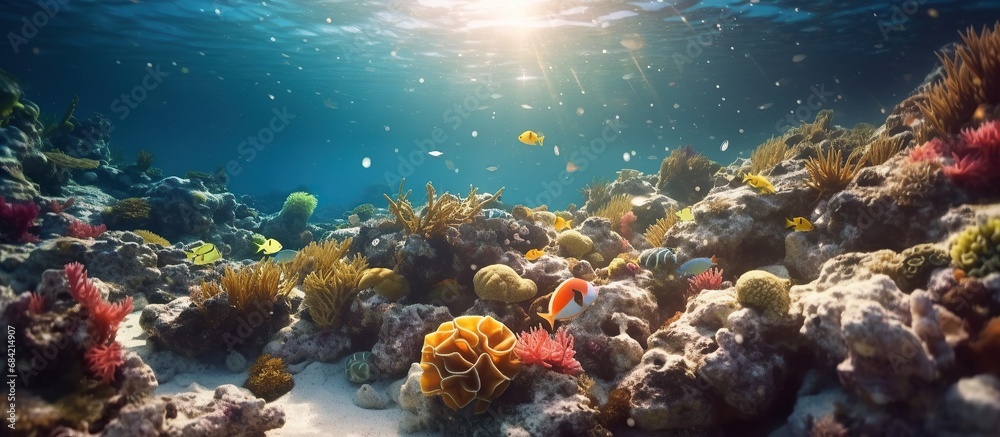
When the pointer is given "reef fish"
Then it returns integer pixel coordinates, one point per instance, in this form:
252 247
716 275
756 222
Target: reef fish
204 254
530 138
759 182
285 256
800 224
696 266
685 215
569 300
492 213
562 223
658 258
270 246
534 254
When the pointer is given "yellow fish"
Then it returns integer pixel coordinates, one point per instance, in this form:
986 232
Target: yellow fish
204 254
685 214
269 246
562 223
800 224
530 138
534 254
759 182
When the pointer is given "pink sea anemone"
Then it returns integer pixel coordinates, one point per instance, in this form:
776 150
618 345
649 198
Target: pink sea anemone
536 347
710 279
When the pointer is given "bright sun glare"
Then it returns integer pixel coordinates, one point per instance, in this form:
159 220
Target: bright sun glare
514 14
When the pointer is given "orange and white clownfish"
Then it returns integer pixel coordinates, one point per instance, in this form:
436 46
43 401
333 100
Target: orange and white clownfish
569 300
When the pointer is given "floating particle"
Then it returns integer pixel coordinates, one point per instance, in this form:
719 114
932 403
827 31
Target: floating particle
449 164
724 146
272 39
366 162
526 106
677 105
652 157
555 149
185 70
435 153
475 134
627 157
387 128
579 111
571 167
496 96
328 21
492 168
765 106
628 76
798 58
270 96
421 80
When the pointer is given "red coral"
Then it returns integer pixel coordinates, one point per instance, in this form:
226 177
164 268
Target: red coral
104 360
976 154
83 231
710 279
58 208
16 220
626 225
104 316
930 151
536 347
36 303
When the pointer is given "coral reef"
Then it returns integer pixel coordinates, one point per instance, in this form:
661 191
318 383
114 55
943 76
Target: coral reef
385 282
763 291
686 175
535 346
268 379
977 248
440 213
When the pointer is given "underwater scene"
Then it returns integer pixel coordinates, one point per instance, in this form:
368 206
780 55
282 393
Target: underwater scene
500 218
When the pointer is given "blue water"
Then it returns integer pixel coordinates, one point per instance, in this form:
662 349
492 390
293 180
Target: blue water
322 85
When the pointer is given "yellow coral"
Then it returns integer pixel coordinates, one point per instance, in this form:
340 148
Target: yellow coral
655 232
386 283
132 209
574 244
502 283
469 358
151 238
328 291
66 161
268 379
615 209
763 291
829 174
317 257
977 249
260 283
440 213
769 154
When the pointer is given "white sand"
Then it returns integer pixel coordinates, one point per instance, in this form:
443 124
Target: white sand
322 402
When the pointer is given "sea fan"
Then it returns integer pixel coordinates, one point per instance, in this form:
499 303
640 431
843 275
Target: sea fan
102 361
104 316
536 347
83 231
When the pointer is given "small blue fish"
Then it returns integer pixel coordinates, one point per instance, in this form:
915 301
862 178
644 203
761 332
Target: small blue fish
696 266
658 258
285 256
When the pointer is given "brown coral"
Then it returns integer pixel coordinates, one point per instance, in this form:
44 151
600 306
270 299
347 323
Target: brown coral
260 283
469 358
829 173
268 379
66 161
769 154
882 149
132 210
439 214
969 85
655 232
317 257
686 175
915 183
328 291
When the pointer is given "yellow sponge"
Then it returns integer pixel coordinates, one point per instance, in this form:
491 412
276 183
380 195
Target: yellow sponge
763 291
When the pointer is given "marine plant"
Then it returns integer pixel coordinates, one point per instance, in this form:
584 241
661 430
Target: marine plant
16 220
151 238
63 160
615 209
768 154
323 256
144 160
328 291
439 214
299 204
655 232
470 358
976 250
267 378
260 283
686 175
364 211
84 231
882 149
535 346
598 193
829 173
970 83
130 210
765 292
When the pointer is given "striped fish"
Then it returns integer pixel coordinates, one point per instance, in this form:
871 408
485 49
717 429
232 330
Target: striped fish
492 213
658 258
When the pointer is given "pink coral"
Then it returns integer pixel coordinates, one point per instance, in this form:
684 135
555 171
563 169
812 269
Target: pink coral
930 151
36 303
83 231
536 347
627 225
16 220
710 279
104 316
975 154
58 208
104 360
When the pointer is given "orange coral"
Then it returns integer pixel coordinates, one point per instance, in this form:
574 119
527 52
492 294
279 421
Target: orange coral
469 358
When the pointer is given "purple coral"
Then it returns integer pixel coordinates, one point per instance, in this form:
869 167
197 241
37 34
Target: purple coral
16 220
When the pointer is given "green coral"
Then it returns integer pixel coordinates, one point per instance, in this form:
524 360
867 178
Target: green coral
268 379
765 292
299 204
144 160
977 248
359 368
686 175
364 211
574 244
199 197
130 210
918 263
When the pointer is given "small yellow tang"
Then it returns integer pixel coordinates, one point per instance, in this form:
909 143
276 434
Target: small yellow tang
269 247
685 215
799 224
204 254
530 138
534 254
562 223
759 182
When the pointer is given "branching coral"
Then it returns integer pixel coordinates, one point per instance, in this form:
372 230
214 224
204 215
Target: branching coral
16 220
686 175
258 284
655 232
769 154
535 346
598 193
268 379
971 83
829 173
329 290
84 231
439 214
104 316
317 257
615 209
66 161
151 238
881 149
104 360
